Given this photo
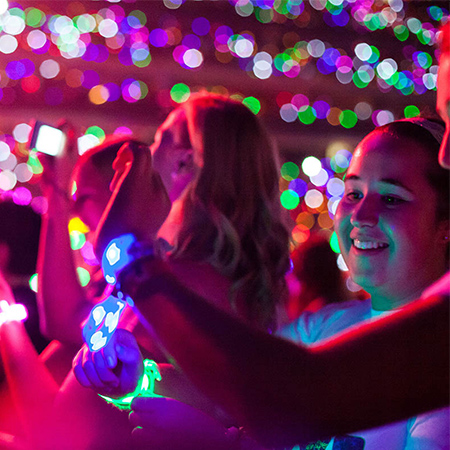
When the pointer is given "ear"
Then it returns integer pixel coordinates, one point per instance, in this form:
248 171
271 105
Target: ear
444 231
184 162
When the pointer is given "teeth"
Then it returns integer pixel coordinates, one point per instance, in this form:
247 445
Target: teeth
368 245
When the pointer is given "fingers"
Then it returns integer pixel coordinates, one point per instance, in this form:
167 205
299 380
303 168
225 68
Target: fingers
92 371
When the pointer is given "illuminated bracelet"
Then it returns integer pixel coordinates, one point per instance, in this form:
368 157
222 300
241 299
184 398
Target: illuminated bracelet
145 387
121 252
10 313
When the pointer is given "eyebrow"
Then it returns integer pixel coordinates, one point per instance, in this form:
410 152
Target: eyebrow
392 181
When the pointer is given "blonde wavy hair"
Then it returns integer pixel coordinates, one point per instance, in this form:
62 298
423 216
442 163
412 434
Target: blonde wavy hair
232 217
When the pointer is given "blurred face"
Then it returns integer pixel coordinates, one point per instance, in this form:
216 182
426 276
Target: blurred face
92 195
386 222
172 154
443 95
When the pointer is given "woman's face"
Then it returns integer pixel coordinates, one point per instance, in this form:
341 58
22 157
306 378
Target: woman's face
172 154
92 195
386 222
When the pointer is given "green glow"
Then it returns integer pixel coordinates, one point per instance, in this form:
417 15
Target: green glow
334 244
77 240
139 16
401 32
253 104
394 79
17 12
411 111
280 60
144 63
348 118
290 171
359 83
375 56
97 132
264 15
74 188
180 92
424 36
145 387
289 199
35 17
414 25
307 116
34 164
33 282
83 276
436 13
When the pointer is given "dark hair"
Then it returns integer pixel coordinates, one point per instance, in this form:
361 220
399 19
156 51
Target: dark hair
102 156
19 229
315 265
437 176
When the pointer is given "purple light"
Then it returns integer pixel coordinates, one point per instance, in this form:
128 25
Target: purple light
299 186
91 53
192 41
344 64
201 26
15 70
103 54
29 67
114 92
321 109
341 19
178 53
90 79
125 57
43 49
158 37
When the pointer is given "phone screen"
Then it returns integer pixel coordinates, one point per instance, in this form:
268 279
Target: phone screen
47 139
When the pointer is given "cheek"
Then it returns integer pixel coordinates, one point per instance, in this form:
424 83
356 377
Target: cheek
342 221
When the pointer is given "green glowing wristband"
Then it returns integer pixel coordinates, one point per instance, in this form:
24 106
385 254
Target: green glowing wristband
145 387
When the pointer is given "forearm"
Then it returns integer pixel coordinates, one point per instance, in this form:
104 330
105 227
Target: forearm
31 385
288 394
61 299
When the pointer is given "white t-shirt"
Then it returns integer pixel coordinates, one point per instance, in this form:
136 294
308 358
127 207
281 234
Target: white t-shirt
428 431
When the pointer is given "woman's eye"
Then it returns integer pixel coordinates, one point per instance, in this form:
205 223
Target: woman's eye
392 200
352 195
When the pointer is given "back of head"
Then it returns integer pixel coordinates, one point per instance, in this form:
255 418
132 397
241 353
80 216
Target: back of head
102 156
19 230
232 214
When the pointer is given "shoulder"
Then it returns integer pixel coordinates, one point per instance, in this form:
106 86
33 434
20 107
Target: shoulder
335 317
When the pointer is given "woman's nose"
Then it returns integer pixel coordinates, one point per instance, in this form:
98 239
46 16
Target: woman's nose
365 213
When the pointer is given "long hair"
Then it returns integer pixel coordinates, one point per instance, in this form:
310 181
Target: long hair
232 216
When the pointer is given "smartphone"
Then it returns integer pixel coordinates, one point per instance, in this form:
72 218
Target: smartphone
46 139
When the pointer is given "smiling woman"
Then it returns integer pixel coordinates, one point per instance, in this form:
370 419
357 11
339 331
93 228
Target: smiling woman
392 224
393 218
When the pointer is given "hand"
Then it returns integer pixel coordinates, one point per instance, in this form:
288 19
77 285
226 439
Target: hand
139 203
58 170
165 424
115 370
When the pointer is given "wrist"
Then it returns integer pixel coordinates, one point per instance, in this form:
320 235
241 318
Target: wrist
121 253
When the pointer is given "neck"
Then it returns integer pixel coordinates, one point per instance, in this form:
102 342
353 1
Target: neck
387 301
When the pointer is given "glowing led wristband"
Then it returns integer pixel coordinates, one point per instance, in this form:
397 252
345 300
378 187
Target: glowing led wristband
9 313
102 322
145 387
121 252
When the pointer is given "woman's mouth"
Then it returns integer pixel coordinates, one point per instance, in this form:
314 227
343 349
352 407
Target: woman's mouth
369 244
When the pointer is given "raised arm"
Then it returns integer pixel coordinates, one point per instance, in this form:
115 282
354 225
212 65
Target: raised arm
286 394
61 299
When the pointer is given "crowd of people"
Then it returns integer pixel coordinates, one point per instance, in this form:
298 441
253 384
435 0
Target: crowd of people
241 363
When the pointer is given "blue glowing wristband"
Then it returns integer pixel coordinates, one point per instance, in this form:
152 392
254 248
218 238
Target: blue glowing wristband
121 252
